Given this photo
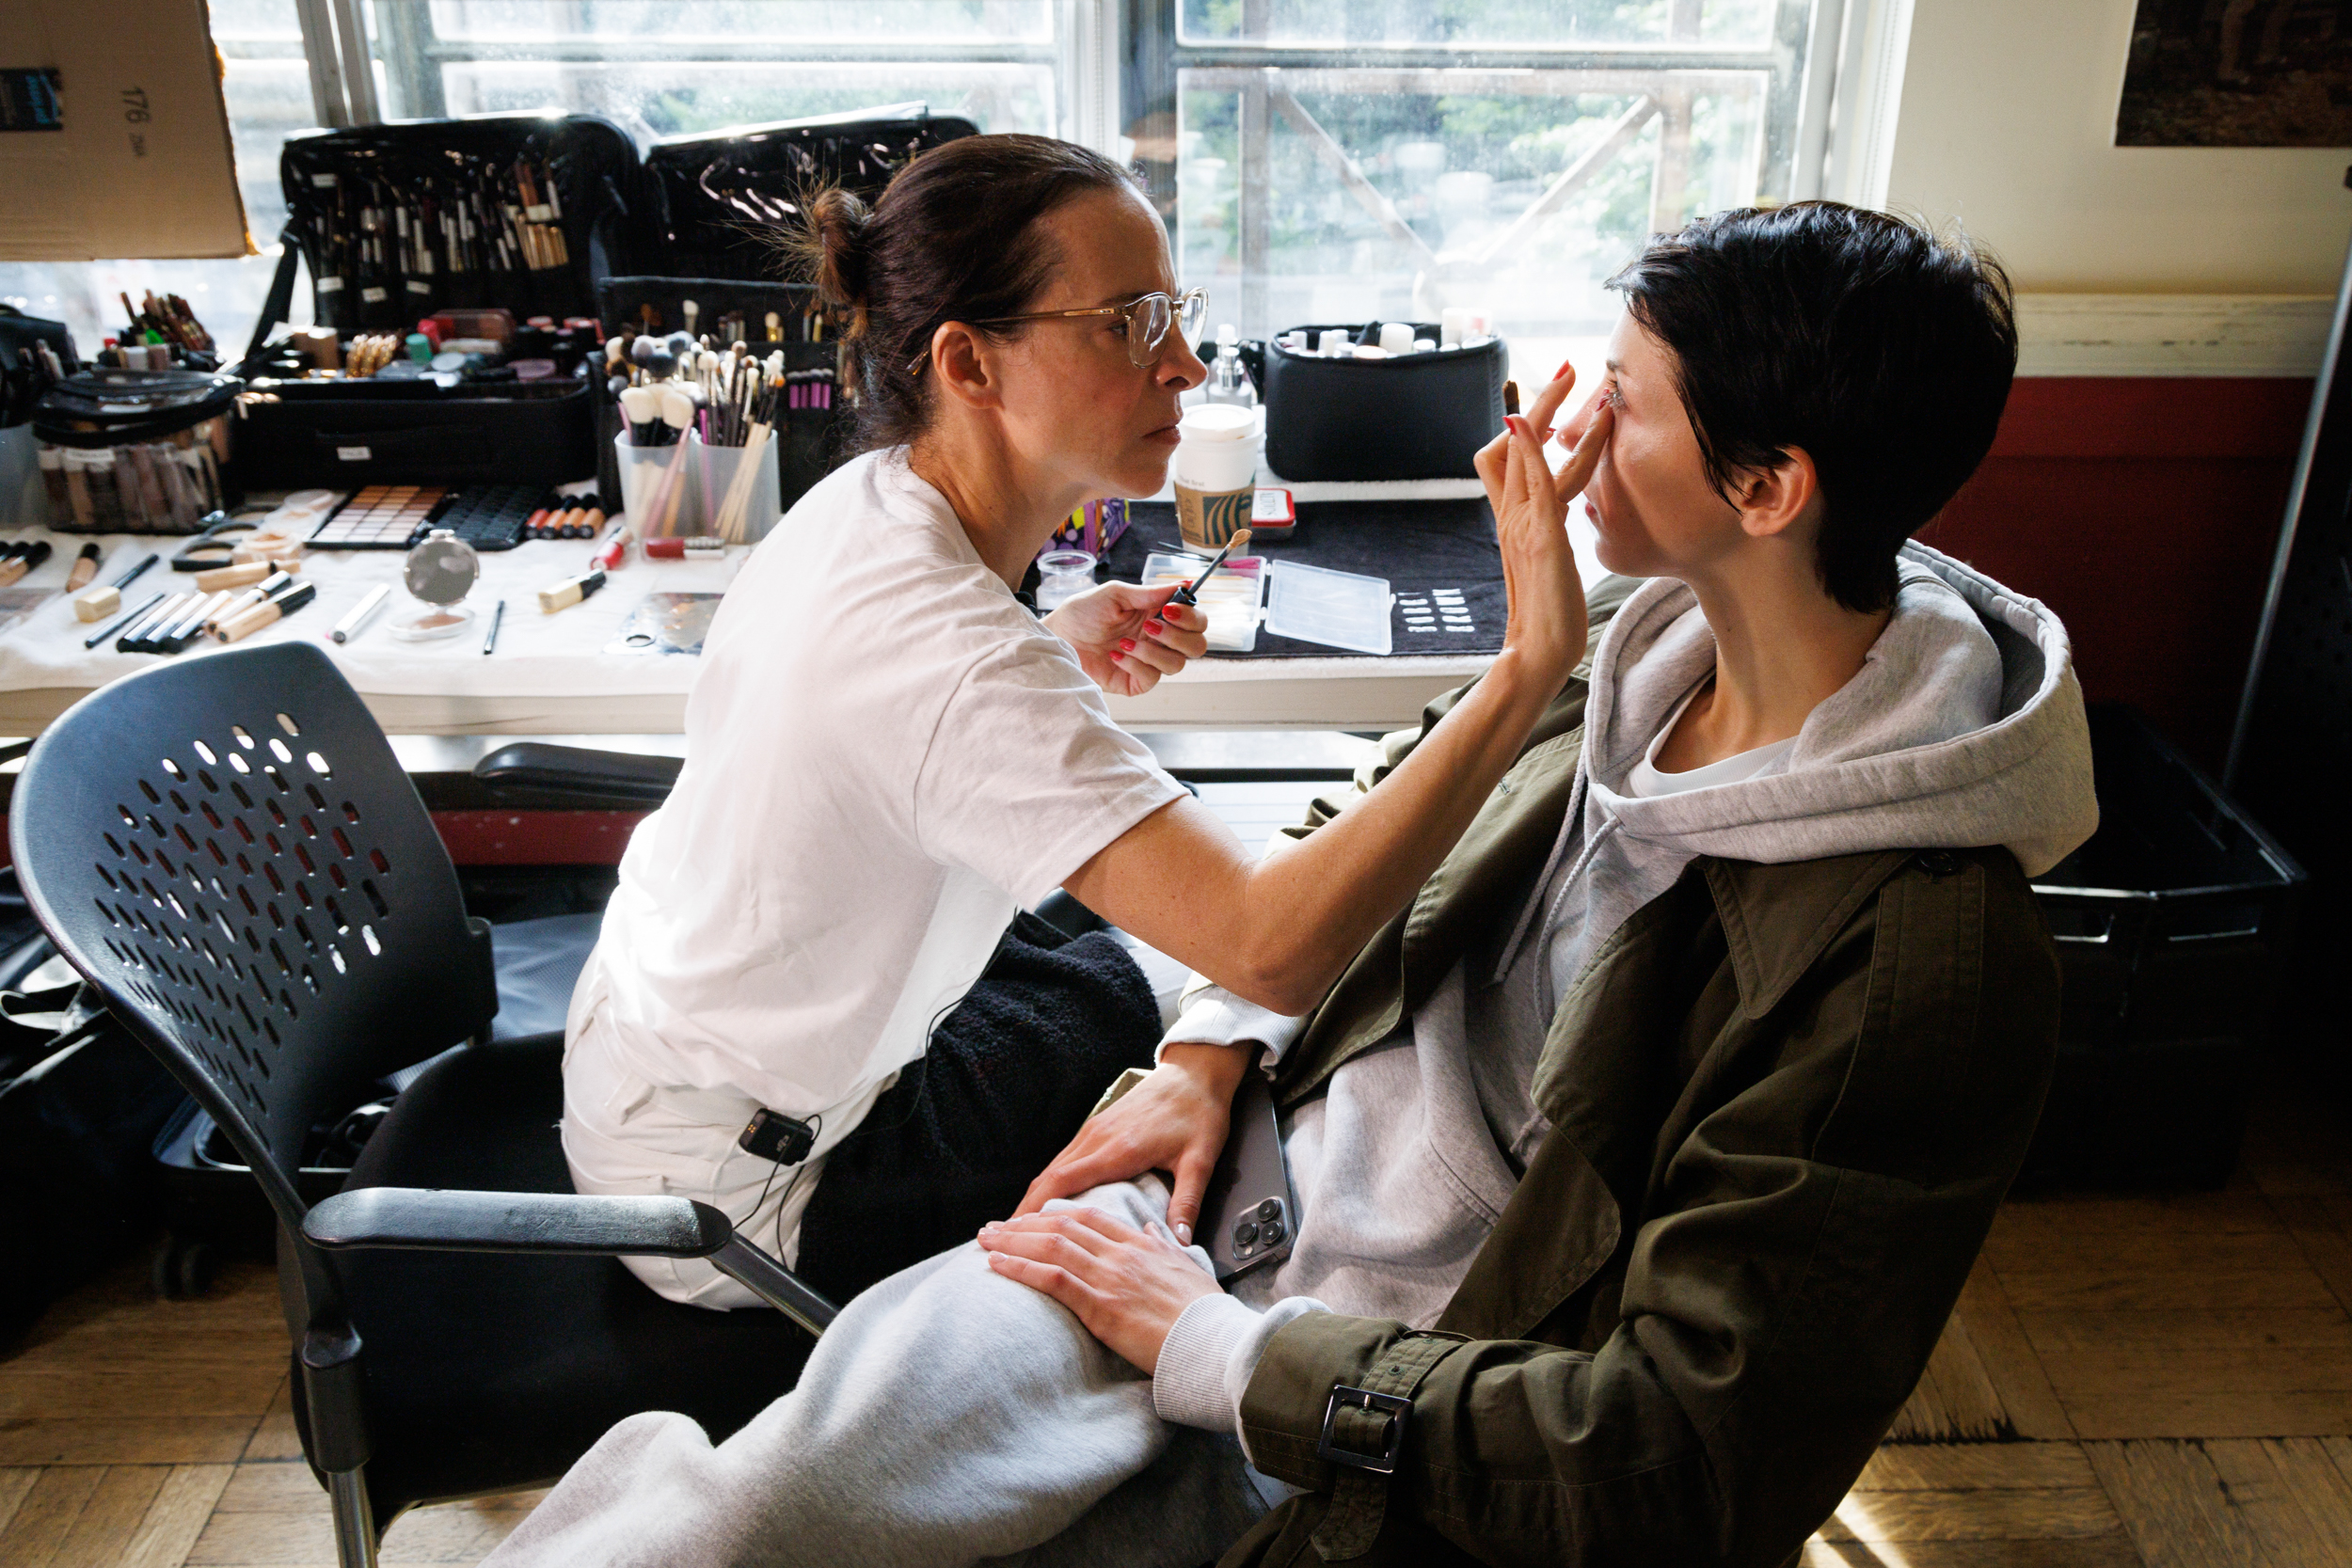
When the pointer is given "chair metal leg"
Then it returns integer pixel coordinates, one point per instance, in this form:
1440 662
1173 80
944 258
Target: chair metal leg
354 1519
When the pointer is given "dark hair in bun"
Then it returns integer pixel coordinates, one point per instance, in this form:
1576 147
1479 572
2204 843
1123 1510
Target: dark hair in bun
954 237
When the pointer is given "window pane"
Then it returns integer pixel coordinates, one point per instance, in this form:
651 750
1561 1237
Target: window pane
1462 199
680 98
744 21
1480 24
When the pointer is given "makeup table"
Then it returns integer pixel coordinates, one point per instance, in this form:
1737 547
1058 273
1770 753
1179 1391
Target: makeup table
563 674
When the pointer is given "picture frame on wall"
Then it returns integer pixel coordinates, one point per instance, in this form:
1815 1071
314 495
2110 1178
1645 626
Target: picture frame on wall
2238 73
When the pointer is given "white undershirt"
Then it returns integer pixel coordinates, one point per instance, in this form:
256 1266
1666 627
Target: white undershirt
1647 782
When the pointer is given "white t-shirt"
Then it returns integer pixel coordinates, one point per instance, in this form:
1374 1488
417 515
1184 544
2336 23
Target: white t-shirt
886 756
1647 782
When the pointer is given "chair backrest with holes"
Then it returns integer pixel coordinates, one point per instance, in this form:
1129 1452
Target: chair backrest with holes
226 847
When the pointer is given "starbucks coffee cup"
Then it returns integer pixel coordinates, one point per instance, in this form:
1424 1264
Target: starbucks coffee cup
1217 472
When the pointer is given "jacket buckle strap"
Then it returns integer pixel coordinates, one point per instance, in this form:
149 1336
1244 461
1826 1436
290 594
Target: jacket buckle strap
1363 1432
1388 1437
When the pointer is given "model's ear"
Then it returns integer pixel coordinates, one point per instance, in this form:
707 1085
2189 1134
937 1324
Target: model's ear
1772 500
967 365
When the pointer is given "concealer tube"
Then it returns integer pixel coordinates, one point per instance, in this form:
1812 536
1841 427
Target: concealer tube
266 613
84 568
134 637
23 561
244 599
569 592
241 576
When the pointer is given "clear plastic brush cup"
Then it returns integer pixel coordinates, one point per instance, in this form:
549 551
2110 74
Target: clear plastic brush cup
695 489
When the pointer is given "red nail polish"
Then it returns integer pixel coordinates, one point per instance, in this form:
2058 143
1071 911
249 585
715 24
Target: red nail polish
1566 366
1126 644
1154 627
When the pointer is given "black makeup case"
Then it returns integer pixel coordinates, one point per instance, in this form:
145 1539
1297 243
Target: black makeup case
352 195
138 451
719 199
1412 416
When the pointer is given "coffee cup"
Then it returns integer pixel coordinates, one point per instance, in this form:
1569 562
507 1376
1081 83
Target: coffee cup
1217 472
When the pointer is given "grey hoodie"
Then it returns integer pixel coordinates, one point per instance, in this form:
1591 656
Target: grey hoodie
1963 727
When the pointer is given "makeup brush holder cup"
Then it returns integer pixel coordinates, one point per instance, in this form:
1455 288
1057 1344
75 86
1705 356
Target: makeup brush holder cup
719 469
662 490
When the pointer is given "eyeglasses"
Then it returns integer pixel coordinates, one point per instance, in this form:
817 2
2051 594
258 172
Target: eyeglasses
1149 319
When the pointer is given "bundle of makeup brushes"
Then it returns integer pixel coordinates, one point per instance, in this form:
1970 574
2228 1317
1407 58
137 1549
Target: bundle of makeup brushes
669 387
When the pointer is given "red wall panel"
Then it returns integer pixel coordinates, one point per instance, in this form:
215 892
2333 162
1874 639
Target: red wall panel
2144 511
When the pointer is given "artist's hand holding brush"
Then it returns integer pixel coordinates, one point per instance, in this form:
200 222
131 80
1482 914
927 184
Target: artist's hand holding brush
1126 638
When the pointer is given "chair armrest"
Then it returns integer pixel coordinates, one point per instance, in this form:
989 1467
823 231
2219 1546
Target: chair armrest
563 1224
534 768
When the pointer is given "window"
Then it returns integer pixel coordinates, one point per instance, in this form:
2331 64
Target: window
1317 160
1328 160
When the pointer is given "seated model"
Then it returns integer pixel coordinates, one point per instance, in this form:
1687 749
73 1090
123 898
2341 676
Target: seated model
1642 1158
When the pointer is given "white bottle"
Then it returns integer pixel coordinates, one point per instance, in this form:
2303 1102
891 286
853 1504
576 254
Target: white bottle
1229 383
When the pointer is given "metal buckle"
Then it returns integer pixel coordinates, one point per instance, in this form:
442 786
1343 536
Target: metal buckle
1399 1412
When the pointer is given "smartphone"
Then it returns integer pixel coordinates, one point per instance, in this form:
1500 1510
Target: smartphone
1248 1216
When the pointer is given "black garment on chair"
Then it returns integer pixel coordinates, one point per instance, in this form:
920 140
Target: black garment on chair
555 1349
1010 1076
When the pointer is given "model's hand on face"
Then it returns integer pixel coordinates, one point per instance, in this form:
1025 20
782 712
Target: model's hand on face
1546 621
1126 638
1127 1285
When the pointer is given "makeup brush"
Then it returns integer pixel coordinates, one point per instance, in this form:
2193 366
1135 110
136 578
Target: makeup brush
692 312
641 407
1187 594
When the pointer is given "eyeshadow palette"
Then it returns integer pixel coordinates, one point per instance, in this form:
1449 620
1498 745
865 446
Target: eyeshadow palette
380 518
491 517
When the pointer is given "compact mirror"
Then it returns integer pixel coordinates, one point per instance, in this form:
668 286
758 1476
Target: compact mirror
440 571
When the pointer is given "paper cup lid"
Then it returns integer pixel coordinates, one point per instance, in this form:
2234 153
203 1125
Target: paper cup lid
1218 422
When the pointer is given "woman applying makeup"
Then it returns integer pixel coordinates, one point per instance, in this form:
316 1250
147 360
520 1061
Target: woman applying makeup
889 756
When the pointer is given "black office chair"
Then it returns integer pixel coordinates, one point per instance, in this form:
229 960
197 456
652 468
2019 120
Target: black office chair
227 848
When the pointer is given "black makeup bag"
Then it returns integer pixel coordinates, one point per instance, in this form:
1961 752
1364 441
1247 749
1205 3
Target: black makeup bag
720 199
1413 416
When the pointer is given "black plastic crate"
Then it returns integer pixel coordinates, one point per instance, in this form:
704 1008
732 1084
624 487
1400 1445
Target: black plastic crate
2173 923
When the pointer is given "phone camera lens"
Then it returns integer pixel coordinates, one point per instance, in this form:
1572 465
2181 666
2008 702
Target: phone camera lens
1270 1232
1270 1209
1245 1233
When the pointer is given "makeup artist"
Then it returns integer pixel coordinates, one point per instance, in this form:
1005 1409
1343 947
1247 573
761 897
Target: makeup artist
888 757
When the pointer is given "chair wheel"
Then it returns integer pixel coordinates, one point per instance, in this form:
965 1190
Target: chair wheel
182 1269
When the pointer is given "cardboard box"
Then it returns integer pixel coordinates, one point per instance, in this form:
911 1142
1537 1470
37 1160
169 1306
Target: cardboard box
138 163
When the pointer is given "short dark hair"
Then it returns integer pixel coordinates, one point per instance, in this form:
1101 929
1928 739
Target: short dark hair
1882 349
953 237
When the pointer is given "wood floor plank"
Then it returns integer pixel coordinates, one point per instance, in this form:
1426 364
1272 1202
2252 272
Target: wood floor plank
101 1531
2174 1505
1954 1466
177 1518
2150 1251
2010 1359
2113 1550
2262 1496
15 1480
2322 1486
276 1436
2023 1514
2167 1290
125 1440
2318 1228
1955 1400
272 1486
46 1515
2059 1220
112 1388
2102 1371
2218 1414
452 1532
2058 1334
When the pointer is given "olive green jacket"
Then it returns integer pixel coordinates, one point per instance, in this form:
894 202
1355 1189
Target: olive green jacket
1784 1101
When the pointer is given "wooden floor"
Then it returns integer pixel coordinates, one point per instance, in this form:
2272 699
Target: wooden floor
2171 1377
